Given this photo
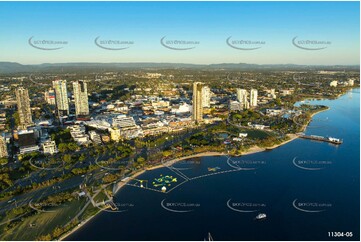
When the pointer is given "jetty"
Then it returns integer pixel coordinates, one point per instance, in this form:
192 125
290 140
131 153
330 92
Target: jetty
332 140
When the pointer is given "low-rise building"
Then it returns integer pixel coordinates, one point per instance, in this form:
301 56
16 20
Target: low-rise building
49 147
77 132
235 106
95 137
285 92
27 141
105 138
115 134
333 84
273 112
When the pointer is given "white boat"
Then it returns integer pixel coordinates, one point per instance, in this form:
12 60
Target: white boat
209 237
333 139
261 216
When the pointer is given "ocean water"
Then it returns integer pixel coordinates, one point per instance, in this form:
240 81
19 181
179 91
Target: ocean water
306 188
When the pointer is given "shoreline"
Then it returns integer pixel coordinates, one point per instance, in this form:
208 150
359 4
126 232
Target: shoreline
78 226
81 224
251 150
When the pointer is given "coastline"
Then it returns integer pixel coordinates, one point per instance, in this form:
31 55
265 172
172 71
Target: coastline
251 150
305 125
82 223
79 225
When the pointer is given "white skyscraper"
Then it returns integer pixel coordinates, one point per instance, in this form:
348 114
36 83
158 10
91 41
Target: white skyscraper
242 97
81 98
61 96
253 98
206 97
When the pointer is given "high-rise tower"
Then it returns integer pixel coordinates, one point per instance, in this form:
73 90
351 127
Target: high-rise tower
242 97
23 103
81 98
61 96
197 102
253 98
206 97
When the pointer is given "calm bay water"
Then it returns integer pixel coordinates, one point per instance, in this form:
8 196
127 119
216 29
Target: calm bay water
306 188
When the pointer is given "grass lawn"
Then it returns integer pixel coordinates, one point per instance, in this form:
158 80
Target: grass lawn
44 222
100 197
255 134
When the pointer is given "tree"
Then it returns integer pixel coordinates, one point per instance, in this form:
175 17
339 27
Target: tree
44 237
78 171
5 181
63 147
167 153
57 232
67 158
82 157
73 146
3 161
16 118
109 178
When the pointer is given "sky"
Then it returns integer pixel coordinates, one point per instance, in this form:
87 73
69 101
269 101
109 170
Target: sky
205 25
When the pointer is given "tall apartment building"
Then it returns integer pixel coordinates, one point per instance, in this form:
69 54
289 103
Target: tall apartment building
61 96
81 98
206 97
253 98
242 97
197 102
23 103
